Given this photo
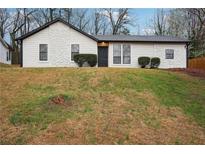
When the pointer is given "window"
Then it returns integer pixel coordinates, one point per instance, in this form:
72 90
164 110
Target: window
169 53
116 54
126 54
43 52
74 50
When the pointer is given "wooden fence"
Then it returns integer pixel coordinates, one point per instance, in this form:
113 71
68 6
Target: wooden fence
197 63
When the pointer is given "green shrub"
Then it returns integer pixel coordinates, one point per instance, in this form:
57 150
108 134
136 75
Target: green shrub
92 60
155 61
143 61
80 59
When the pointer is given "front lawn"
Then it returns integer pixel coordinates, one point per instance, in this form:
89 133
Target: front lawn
101 106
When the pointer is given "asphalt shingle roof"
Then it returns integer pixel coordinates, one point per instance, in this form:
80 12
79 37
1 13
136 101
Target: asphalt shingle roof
139 38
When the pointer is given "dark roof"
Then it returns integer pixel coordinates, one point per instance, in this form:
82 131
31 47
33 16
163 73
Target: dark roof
52 22
139 38
5 44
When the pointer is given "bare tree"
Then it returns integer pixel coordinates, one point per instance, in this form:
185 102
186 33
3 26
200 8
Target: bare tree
16 27
160 22
196 29
41 16
51 13
189 23
104 28
80 19
97 22
200 14
4 21
67 14
44 15
118 19
27 19
176 23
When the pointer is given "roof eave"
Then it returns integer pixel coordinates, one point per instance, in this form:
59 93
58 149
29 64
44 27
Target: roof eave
143 41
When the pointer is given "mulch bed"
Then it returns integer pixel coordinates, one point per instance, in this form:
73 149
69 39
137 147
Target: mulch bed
190 71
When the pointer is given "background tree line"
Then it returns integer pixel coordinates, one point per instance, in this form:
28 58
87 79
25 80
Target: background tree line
188 23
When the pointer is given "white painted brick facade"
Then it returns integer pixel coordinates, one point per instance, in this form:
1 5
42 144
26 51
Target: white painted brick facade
59 38
3 54
152 50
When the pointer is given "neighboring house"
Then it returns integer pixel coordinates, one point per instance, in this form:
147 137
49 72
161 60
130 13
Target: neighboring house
5 52
55 43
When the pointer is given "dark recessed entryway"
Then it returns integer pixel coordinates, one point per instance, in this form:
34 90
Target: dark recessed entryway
102 56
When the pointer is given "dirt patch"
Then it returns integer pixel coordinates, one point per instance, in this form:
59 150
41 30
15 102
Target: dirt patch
57 100
60 100
190 71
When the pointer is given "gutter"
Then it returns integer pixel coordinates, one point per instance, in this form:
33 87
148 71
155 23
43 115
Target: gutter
187 54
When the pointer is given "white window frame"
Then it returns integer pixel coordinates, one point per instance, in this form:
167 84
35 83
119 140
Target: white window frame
40 53
121 54
72 60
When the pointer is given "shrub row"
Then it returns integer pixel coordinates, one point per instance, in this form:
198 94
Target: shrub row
145 61
91 60
80 59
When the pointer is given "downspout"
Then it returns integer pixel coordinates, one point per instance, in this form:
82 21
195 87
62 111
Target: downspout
187 54
21 53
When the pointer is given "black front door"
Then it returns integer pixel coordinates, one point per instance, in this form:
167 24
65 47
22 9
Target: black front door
102 56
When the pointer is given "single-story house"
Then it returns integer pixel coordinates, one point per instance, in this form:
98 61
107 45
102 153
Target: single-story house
5 52
55 43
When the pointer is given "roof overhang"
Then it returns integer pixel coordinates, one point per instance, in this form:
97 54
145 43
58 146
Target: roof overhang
133 41
140 39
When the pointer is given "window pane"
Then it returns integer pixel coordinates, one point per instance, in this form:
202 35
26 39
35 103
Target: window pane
74 47
117 60
126 60
74 50
169 54
126 50
126 54
116 50
43 54
116 54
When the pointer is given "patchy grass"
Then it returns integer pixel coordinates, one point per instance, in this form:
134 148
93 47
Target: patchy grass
40 113
106 106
